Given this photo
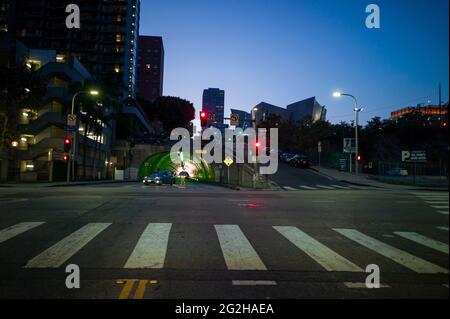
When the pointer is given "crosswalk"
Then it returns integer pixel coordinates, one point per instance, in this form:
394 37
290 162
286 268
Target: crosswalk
324 187
437 200
240 252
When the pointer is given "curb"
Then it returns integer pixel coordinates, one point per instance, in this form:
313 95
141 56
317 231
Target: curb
88 183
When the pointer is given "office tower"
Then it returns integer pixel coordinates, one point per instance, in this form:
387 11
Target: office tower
150 67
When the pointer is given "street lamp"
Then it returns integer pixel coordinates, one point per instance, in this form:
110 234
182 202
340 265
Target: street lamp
357 109
71 163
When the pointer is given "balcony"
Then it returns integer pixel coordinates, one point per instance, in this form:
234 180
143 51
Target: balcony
45 120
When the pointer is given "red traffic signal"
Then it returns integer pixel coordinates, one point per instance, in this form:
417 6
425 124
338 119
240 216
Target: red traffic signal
67 145
66 157
359 158
257 144
203 119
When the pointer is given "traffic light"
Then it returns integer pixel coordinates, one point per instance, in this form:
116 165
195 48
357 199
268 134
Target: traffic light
203 119
66 158
67 145
359 158
257 146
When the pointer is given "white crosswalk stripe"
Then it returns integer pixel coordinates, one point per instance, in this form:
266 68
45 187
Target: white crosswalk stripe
323 255
150 250
288 188
440 207
237 250
59 253
17 229
341 187
438 201
324 187
401 257
308 187
423 240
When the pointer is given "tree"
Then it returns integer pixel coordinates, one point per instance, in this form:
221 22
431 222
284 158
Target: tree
172 111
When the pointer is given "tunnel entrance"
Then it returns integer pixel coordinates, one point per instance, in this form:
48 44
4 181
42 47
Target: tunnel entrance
198 170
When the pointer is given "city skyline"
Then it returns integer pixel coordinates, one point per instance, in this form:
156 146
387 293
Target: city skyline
305 49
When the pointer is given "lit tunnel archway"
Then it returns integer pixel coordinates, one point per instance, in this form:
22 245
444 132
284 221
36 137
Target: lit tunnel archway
198 169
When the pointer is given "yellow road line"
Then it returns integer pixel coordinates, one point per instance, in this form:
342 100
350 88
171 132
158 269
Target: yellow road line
139 294
127 289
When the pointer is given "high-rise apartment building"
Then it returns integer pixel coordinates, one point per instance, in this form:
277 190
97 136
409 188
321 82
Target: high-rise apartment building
150 67
105 44
213 103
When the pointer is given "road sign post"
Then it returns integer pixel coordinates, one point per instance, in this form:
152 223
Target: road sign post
414 157
228 162
319 150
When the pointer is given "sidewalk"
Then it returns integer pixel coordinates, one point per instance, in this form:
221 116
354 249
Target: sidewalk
364 180
60 184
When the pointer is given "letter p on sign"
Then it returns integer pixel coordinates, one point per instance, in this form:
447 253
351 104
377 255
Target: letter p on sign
405 155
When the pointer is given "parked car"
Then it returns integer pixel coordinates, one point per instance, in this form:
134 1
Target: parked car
160 178
397 171
301 161
286 157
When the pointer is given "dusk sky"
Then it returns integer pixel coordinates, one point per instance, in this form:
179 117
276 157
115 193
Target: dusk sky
282 51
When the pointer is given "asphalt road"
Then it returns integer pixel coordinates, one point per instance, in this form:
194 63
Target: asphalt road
201 241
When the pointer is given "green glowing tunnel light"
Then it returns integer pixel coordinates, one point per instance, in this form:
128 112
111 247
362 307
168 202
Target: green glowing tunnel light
198 169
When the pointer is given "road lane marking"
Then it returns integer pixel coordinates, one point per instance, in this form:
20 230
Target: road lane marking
140 291
443 212
237 250
288 188
440 207
254 283
437 202
425 241
361 285
341 187
150 250
308 187
401 257
324 256
442 228
127 288
17 229
59 253
325 187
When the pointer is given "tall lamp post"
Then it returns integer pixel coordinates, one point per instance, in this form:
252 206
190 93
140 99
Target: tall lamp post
357 109
71 164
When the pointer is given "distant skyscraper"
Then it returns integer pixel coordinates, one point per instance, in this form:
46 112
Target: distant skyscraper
213 103
105 44
150 67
